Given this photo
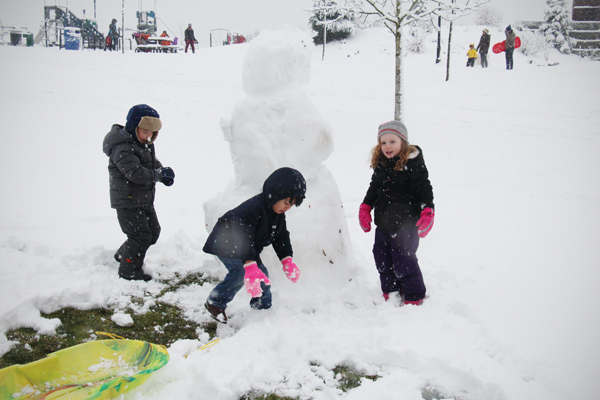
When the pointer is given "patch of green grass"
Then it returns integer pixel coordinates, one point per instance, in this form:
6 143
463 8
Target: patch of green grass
259 396
162 324
178 282
349 379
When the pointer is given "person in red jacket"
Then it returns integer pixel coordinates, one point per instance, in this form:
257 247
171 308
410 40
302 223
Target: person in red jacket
165 42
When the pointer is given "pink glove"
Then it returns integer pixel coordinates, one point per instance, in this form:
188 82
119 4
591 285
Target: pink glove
252 279
425 223
291 269
364 217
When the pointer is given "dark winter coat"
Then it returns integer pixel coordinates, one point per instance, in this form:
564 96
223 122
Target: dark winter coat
132 169
510 40
398 197
112 29
484 44
242 233
189 35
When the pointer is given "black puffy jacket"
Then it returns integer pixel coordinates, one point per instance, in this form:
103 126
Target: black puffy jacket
132 169
243 232
398 197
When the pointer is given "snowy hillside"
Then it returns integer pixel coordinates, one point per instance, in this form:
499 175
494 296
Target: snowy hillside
511 265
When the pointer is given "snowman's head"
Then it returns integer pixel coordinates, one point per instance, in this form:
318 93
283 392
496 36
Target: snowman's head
277 61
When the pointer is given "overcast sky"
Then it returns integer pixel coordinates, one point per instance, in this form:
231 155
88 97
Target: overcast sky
241 16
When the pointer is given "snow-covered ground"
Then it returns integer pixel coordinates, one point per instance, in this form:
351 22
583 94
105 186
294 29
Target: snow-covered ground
511 265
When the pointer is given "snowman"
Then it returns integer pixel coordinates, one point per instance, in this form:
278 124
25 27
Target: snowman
275 126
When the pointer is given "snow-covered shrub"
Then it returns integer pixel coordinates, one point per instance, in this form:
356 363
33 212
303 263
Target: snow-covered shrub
534 42
557 25
488 16
416 38
333 15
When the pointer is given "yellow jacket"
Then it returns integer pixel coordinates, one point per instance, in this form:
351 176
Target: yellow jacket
472 53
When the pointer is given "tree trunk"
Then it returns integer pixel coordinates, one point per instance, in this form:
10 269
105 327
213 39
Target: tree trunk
449 46
324 36
439 41
398 87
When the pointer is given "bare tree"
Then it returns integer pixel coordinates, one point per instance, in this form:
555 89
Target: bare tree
454 10
395 14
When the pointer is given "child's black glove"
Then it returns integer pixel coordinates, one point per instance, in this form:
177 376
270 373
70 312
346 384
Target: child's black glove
167 176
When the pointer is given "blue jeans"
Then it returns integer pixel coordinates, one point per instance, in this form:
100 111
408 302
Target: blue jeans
225 291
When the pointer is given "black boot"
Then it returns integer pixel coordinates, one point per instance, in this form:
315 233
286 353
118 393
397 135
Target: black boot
138 275
119 253
130 268
217 313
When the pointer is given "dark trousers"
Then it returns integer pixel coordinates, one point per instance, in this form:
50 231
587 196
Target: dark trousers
189 43
509 58
141 226
470 62
397 263
484 61
225 291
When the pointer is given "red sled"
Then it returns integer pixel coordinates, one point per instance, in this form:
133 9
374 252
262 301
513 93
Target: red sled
499 47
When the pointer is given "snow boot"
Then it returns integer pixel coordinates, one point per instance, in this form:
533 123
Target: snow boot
132 271
137 275
414 302
119 253
218 314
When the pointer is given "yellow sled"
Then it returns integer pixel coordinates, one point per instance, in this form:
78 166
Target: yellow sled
103 369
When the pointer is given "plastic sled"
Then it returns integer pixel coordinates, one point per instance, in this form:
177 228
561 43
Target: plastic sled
500 47
103 369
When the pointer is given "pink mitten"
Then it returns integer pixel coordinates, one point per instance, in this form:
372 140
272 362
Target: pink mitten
291 269
425 223
364 217
252 279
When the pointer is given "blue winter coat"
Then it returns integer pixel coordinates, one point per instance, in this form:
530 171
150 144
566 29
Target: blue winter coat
242 233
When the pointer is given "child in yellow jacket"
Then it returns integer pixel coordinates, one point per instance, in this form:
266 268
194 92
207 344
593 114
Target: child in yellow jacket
472 54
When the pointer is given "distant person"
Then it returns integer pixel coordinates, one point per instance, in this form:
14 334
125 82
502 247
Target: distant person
402 196
472 56
190 39
509 46
483 47
113 33
242 233
165 42
134 171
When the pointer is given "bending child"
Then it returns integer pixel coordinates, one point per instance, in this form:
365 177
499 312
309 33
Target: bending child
402 196
133 171
240 235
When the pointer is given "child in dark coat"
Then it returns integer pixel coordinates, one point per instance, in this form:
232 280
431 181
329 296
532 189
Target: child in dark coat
133 171
240 235
402 196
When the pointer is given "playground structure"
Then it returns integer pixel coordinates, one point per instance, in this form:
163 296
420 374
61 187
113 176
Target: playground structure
224 37
58 21
146 39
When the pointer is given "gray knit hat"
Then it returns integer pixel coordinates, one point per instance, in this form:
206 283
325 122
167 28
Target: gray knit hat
395 127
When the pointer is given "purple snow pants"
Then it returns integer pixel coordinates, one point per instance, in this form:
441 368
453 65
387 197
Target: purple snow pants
397 264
